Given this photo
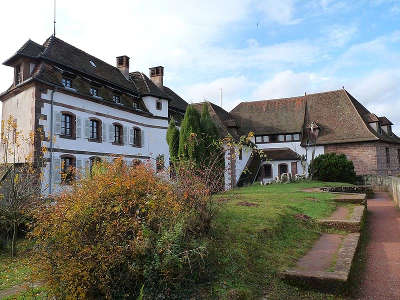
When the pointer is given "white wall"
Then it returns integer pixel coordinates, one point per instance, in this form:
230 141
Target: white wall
154 139
150 103
275 168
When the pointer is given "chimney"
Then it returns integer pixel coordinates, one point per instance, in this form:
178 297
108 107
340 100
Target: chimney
123 65
157 76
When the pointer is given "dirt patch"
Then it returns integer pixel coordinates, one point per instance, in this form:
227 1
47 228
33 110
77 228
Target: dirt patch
246 203
223 200
302 217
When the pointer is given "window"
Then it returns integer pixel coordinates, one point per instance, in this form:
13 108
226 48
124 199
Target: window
117 134
259 139
398 156
267 171
67 82
281 138
135 105
273 138
159 105
93 161
94 130
67 127
266 139
388 157
288 137
390 132
240 154
18 75
379 129
67 169
296 137
137 137
117 99
94 92
160 163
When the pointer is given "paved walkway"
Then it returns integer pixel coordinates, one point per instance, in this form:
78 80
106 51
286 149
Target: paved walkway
382 272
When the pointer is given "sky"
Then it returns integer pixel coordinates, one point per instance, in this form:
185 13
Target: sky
251 49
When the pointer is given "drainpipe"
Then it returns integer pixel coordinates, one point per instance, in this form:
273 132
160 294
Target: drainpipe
51 140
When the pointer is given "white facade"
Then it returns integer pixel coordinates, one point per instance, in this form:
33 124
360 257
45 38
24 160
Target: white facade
153 134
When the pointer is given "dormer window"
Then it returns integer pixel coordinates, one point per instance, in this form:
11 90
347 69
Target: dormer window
379 129
94 92
18 75
159 105
66 82
117 99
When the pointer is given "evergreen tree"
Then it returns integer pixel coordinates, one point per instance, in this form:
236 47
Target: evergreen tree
173 140
189 134
209 133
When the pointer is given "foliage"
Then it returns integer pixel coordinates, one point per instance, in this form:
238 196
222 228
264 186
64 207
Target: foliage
120 229
188 137
256 235
333 167
209 135
20 178
173 140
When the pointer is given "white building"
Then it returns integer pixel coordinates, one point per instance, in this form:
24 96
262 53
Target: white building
92 109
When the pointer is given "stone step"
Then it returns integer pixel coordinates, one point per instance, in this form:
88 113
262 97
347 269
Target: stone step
350 198
327 265
340 221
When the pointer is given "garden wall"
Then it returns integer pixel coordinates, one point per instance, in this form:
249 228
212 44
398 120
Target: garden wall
384 183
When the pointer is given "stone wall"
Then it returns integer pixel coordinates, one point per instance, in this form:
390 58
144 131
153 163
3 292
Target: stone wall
395 189
385 168
363 155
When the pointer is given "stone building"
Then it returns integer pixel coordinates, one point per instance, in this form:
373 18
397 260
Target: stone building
291 131
94 110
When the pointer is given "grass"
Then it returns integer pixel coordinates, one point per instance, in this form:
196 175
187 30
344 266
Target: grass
252 244
15 270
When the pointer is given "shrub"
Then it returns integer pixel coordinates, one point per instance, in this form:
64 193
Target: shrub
333 167
120 229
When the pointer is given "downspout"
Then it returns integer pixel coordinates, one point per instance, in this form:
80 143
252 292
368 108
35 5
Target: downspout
51 140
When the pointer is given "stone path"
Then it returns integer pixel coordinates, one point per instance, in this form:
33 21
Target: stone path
382 273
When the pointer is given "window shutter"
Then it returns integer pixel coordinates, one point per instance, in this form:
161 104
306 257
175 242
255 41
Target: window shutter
104 133
87 128
79 171
57 123
57 170
131 136
111 133
142 138
78 127
125 134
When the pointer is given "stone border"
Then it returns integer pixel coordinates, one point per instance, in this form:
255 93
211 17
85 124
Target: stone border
329 280
354 224
350 198
359 189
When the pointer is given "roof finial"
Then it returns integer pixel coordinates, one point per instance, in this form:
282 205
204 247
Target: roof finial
54 22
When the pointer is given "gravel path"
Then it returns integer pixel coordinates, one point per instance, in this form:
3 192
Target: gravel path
382 272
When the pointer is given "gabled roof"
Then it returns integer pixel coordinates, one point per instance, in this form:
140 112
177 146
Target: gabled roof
338 114
29 49
270 116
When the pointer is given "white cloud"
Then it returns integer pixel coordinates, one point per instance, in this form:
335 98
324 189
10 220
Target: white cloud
281 11
340 35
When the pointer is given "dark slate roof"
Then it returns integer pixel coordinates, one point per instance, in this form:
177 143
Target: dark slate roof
64 54
339 115
222 119
384 121
280 154
176 101
29 49
147 87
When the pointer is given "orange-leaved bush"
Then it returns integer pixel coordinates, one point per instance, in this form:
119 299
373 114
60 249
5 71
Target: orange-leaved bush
119 229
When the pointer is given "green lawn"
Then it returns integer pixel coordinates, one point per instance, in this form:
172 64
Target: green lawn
251 244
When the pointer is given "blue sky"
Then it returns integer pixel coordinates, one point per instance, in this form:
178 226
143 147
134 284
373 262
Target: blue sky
251 49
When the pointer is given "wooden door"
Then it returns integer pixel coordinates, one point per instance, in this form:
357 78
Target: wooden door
294 168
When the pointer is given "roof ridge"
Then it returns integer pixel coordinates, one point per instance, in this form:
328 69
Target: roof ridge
145 81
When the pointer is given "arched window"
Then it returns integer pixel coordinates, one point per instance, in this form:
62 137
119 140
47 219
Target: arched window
95 130
117 134
67 125
67 169
137 137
